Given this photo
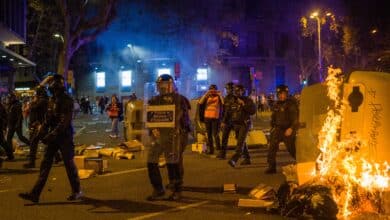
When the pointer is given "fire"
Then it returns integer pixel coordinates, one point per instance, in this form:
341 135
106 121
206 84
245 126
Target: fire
355 181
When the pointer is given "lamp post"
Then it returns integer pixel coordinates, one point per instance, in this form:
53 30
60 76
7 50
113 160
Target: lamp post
315 15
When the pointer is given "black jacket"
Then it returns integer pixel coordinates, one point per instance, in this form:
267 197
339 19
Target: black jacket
15 116
38 111
58 121
238 113
285 115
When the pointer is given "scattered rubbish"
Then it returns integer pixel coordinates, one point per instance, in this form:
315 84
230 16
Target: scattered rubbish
100 144
262 192
229 188
85 174
97 164
54 179
91 132
258 203
133 145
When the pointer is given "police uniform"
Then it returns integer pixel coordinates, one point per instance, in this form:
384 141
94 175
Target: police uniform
58 122
284 116
171 142
240 117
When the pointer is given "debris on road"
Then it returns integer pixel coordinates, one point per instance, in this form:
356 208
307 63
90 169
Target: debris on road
85 174
256 203
229 188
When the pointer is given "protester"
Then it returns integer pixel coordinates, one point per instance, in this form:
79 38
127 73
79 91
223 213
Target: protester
15 121
213 102
58 122
240 113
115 113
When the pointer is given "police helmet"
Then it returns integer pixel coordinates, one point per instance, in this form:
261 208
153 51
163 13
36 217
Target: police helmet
165 84
281 88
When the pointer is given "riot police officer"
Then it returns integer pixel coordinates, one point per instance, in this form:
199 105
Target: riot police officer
227 124
58 122
37 115
240 112
169 141
284 124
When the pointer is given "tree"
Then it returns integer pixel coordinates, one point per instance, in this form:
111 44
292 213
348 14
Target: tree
83 22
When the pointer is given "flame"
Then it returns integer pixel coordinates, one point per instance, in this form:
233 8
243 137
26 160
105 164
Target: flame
341 163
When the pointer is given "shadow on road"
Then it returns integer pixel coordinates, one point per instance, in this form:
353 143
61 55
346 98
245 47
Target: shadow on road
18 171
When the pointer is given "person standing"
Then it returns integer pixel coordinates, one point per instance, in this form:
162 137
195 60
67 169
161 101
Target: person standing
114 111
15 124
169 141
227 123
213 102
240 114
284 125
3 127
38 111
58 122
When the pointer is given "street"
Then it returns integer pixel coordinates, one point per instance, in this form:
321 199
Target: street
120 193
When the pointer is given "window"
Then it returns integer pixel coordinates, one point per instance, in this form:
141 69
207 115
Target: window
201 74
163 71
126 78
101 79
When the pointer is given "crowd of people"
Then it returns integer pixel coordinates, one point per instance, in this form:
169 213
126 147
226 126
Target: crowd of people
50 120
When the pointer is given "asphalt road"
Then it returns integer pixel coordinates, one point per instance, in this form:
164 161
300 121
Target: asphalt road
120 193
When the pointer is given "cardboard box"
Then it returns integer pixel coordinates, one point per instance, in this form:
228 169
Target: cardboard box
79 161
85 174
108 152
258 203
229 188
262 191
305 172
96 164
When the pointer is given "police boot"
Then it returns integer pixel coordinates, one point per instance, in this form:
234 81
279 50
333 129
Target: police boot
156 181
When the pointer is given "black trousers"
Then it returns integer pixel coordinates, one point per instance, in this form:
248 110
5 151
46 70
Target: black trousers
277 136
66 148
3 142
225 137
10 135
212 128
241 131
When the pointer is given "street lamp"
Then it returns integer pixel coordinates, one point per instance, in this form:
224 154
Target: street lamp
57 35
316 15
